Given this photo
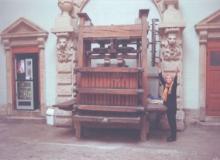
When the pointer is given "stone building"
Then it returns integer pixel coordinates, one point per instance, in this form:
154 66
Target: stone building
39 41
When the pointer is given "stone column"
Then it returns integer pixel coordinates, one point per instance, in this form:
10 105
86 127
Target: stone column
170 30
9 75
66 31
203 35
65 65
41 46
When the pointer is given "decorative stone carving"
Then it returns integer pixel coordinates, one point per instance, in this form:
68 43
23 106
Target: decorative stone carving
66 6
64 21
171 48
172 16
64 49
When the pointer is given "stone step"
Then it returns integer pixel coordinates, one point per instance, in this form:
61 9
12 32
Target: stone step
212 119
25 119
210 122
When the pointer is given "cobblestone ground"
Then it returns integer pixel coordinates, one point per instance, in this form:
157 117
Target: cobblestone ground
28 141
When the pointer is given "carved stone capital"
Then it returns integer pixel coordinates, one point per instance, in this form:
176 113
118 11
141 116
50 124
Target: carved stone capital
203 36
6 44
41 42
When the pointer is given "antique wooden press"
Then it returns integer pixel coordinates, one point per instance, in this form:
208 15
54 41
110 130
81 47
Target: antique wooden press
111 92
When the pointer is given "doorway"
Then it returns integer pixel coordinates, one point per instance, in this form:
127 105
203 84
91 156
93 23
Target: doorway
26 81
213 79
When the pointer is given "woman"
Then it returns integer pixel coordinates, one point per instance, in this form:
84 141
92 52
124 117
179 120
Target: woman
169 100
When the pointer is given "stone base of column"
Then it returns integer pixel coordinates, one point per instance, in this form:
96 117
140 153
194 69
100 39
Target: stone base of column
59 118
180 120
3 110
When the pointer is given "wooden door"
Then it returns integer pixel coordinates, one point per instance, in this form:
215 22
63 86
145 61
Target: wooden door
213 79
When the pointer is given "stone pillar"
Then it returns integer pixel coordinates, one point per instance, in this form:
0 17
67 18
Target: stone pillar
41 46
65 29
170 31
203 36
9 75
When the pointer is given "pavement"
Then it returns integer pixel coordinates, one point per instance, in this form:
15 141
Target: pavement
24 140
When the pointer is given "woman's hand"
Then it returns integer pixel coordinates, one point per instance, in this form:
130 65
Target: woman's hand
177 70
158 65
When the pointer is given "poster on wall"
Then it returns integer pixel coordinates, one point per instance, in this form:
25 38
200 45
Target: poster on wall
20 66
28 72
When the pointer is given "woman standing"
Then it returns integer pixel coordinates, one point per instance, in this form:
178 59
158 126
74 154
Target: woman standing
169 99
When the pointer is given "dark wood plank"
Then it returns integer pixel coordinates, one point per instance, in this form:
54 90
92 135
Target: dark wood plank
110 91
144 41
129 109
109 69
117 31
103 119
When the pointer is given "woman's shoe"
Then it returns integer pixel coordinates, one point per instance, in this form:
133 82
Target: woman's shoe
171 139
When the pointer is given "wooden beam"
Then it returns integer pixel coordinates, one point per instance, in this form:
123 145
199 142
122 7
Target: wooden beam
127 109
109 69
114 31
110 91
83 18
143 15
104 119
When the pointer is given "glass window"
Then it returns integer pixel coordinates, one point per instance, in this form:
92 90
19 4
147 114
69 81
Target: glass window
215 58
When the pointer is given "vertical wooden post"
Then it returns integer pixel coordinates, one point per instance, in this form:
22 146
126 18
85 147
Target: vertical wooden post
144 127
143 13
144 42
78 129
80 47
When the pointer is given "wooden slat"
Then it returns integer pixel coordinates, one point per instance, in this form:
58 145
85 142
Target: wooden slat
144 42
109 69
110 91
114 31
129 109
100 119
